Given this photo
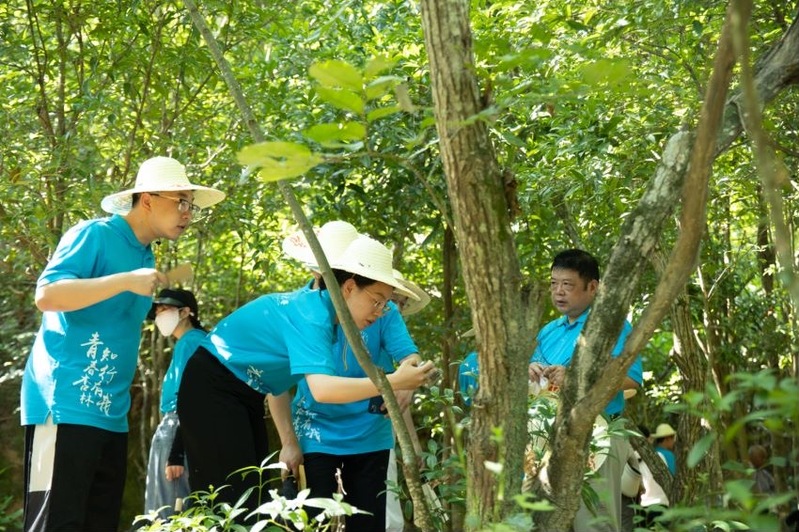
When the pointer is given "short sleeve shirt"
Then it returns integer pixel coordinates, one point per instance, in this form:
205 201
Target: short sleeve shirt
183 350
557 342
271 342
83 361
349 428
467 377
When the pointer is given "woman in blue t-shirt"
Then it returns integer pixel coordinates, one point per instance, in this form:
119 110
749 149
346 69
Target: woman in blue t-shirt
176 314
266 347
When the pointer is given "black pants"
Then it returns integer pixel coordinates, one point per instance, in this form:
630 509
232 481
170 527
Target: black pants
223 427
364 479
74 478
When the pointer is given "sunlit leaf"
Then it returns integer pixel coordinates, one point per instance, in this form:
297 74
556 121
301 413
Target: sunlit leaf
342 98
381 86
340 132
255 154
279 160
381 112
376 65
337 74
606 71
700 449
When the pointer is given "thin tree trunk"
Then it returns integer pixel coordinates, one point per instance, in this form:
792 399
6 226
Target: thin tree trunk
489 260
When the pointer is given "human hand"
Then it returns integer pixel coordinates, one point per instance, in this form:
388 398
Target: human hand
173 472
410 376
535 371
291 455
404 399
144 281
555 374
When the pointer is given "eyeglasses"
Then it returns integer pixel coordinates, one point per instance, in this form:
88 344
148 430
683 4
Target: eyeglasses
184 206
378 304
566 286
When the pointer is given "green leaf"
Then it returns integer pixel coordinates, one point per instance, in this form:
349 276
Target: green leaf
276 170
606 71
279 160
740 491
255 154
376 65
340 132
381 86
337 74
700 449
381 112
342 98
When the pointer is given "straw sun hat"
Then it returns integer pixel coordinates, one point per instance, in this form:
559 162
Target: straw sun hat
161 174
664 430
369 258
412 306
334 237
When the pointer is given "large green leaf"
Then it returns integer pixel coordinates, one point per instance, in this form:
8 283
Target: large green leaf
342 98
376 65
700 449
381 86
340 132
279 160
381 112
606 71
337 74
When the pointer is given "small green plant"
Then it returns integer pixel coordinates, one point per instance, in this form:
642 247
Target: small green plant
206 514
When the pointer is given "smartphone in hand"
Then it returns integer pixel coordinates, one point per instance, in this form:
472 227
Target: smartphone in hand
376 405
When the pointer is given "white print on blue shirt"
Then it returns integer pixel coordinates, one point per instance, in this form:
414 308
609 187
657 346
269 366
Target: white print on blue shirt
304 425
254 378
96 374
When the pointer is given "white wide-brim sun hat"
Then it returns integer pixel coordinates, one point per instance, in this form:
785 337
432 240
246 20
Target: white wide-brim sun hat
161 174
334 237
412 306
368 258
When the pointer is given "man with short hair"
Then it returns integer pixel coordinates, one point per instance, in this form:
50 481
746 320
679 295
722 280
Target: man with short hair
573 286
94 294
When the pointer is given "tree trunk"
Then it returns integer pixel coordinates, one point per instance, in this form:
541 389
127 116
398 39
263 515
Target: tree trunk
593 377
694 368
489 260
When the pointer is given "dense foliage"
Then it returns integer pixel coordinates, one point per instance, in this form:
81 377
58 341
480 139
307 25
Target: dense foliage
580 97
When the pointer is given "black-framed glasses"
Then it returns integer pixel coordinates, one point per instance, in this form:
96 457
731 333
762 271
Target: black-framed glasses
184 206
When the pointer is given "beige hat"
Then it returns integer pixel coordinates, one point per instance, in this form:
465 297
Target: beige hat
161 174
664 430
334 237
369 258
412 306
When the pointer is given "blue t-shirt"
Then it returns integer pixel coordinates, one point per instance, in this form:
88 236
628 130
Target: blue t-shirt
557 342
349 428
467 377
184 348
271 342
83 361
668 456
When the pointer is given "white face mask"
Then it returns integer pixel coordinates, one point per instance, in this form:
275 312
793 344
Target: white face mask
167 321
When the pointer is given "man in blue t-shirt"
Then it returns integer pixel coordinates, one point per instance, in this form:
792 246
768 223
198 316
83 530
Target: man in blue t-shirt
573 285
94 295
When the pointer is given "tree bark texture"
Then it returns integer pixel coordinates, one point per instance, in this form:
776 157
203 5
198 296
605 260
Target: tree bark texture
489 260
694 368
